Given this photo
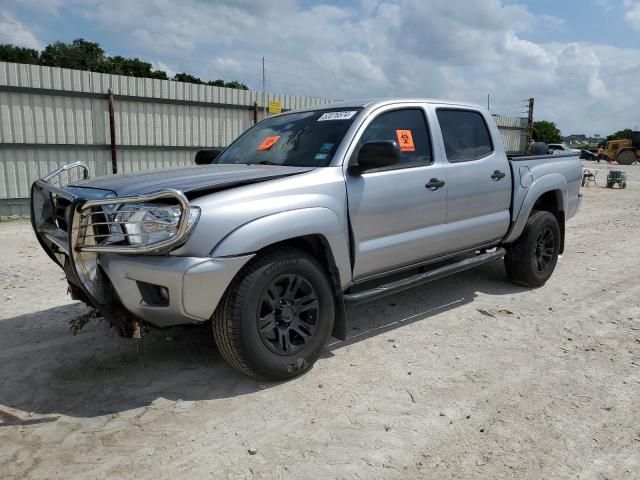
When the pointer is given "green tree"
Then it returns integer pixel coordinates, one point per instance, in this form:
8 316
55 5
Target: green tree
185 77
15 54
216 83
620 135
236 84
79 54
133 67
547 132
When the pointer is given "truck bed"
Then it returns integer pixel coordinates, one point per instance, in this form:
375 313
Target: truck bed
533 174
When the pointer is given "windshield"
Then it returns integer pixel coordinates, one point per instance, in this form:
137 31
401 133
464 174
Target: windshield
306 139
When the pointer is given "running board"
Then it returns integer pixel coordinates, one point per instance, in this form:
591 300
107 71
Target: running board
421 278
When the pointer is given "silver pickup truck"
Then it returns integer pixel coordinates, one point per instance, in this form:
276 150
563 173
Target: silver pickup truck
305 212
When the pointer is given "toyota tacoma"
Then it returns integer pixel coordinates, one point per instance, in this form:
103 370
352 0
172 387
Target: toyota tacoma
305 212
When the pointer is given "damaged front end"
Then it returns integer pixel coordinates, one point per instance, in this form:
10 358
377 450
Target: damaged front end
77 225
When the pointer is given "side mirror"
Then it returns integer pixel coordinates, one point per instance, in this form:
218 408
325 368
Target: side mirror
207 157
376 154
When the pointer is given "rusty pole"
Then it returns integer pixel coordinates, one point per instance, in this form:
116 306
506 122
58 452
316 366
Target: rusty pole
112 131
530 125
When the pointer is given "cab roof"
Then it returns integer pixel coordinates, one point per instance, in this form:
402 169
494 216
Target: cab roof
370 103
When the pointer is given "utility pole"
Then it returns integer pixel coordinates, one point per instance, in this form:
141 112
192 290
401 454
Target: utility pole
530 124
112 132
264 92
489 101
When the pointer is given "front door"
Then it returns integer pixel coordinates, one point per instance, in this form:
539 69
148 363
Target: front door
397 212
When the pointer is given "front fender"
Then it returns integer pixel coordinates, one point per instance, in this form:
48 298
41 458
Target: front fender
553 182
278 227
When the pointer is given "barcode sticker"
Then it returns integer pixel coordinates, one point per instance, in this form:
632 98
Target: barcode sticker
346 115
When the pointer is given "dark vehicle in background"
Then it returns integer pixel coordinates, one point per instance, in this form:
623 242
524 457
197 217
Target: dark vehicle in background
588 155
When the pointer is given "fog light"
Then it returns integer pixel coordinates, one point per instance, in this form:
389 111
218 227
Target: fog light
154 295
164 294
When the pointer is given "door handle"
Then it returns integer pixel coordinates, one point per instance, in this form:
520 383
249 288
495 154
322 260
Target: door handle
434 184
498 175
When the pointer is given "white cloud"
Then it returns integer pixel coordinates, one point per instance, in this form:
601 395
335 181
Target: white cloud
164 67
633 13
442 48
48 6
14 32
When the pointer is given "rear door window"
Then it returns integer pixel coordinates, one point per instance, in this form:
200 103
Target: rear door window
408 128
465 134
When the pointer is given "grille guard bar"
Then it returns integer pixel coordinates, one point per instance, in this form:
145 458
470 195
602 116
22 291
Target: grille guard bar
79 220
58 236
65 168
84 222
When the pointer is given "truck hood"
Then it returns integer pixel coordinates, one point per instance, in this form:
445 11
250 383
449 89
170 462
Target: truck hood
189 180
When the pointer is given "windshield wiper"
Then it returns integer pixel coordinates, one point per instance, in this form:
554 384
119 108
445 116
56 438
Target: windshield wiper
266 162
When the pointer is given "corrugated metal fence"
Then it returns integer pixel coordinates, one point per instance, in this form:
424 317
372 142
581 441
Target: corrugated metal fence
513 131
53 116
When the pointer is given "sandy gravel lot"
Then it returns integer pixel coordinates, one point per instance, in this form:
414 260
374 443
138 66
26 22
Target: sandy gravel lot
469 377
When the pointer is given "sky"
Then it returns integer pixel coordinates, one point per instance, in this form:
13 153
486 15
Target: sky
579 59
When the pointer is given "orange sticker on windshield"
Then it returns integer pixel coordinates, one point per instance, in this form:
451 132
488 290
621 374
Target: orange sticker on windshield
268 142
405 140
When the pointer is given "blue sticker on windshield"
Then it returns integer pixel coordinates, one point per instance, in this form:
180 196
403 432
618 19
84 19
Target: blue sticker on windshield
321 156
326 147
287 126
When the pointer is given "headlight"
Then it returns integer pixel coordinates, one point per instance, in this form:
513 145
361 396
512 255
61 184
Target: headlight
147 223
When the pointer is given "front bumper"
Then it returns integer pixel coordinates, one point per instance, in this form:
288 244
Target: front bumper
114 283
194 285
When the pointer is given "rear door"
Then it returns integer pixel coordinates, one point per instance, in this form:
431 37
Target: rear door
396 219
478 179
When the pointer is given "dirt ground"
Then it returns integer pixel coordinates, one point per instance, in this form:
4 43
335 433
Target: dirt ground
468 377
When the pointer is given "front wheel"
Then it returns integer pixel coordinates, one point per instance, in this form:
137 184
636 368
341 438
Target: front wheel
531 260
276 317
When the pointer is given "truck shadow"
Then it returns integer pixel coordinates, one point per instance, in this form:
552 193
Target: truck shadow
45 370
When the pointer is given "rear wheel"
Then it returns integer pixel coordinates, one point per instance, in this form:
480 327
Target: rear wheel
533 257
276 317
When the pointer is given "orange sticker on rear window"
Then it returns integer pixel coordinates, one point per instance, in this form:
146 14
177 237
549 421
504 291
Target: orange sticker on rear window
405 140
268 142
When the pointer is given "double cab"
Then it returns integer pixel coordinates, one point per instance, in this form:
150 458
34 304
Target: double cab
305 212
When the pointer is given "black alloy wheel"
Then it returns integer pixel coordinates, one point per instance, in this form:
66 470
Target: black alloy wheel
288 314
544 250
276 316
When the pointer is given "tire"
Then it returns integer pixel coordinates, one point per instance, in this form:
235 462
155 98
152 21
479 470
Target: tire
276 316
626 157
624 184
532 258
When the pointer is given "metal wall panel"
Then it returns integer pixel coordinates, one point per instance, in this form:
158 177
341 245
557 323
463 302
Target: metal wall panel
513 131
20 167
70 108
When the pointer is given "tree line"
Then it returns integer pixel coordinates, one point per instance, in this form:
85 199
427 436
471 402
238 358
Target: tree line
548 132
81 54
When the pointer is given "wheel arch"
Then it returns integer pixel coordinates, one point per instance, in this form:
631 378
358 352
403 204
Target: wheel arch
316 231
549 194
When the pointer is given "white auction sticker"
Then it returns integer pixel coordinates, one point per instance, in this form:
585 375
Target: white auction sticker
337 115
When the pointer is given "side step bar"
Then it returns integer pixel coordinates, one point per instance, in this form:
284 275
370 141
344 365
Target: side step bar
421 278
